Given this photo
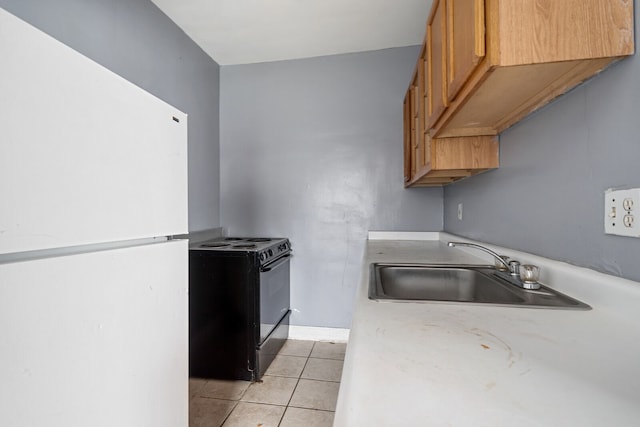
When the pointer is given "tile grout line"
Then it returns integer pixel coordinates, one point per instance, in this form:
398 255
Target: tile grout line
230 412
296 386
317 379
320 381
288 405
218 398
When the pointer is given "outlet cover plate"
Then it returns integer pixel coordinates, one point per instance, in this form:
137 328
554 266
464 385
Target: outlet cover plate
622 212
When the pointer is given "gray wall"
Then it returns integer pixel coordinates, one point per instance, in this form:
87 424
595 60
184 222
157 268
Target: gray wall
134 39
548 195
312 150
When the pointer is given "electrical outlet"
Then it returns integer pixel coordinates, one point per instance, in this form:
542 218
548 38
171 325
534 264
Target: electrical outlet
460 211
621 207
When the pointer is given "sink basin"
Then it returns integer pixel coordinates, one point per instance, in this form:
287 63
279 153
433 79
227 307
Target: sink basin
460 284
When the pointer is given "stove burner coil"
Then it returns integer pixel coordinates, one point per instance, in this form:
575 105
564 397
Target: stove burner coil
245 246
214 245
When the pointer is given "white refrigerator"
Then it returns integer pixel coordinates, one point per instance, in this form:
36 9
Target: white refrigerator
93 288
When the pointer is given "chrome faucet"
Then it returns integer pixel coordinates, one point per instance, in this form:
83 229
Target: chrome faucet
513 267
482 248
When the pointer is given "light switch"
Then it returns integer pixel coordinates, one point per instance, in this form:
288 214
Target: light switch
620 210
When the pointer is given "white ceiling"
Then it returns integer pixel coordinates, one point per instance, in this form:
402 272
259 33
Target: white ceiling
250 31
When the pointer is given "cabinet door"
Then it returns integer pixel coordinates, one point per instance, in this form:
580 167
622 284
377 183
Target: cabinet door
465 41
426 139
422 130
436 59
415 127
407 136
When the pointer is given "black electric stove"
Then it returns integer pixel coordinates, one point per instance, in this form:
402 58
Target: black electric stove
238 305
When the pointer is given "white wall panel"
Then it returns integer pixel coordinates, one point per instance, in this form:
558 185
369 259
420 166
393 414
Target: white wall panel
320 163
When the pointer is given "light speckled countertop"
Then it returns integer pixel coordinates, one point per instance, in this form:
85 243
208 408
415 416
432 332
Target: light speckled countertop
441 364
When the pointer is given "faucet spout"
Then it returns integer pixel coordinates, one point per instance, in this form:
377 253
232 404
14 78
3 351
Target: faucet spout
482 248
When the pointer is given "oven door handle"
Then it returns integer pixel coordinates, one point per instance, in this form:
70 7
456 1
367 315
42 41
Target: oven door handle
275 264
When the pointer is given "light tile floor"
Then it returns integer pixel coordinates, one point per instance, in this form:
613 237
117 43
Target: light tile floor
300 388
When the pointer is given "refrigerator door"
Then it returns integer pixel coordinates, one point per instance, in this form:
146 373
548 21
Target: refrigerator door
86 156
97 339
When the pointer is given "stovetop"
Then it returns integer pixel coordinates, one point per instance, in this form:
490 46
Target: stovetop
268 248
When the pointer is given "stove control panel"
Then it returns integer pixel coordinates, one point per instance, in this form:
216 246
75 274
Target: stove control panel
283 247
274 251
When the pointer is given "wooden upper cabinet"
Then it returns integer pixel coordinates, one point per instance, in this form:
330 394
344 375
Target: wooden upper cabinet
506 58
465 42
438 161
436 61
486 64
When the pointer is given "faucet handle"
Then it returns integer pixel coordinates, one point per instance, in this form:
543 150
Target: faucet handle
500 266
529 273
514 267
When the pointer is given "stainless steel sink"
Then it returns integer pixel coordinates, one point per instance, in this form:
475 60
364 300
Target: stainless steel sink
460 284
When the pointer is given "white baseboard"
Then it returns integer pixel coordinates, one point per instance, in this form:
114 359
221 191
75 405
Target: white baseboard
313 333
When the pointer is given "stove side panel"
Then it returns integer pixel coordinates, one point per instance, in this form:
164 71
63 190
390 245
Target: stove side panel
222 315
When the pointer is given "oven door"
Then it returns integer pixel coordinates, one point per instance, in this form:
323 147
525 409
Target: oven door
274 295
274 310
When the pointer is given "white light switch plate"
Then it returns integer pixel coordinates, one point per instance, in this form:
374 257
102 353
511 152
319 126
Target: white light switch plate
622 212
